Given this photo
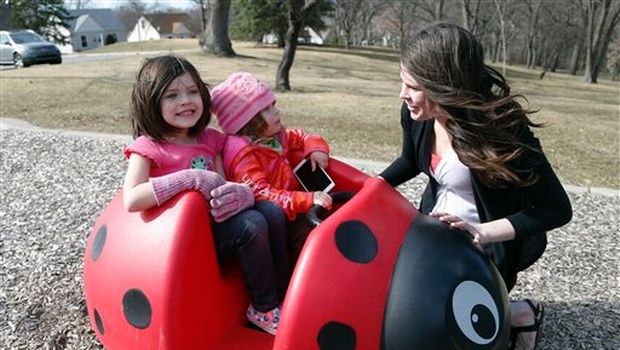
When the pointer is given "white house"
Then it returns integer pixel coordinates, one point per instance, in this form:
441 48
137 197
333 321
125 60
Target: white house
307 36
92 28
164 26
143 31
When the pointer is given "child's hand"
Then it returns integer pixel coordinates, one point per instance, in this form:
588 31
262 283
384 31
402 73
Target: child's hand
230 199
165 187
207 181
322 199
319 158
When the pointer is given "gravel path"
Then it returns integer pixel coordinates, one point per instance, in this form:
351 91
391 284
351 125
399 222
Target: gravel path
53 186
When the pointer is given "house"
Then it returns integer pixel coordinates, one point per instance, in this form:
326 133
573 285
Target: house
164 26
92 28
307 35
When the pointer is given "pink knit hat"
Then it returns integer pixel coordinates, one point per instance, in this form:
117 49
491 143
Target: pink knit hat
238 99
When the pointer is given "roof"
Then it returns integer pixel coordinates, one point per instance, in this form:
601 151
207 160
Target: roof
104 17
169 23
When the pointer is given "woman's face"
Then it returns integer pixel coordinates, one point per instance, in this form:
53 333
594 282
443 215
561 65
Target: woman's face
181 103
419 106
271 115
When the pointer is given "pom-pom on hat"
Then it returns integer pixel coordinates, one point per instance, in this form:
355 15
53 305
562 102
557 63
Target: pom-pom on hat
238 99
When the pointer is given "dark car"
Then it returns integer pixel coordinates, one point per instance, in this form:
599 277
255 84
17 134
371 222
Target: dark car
23 48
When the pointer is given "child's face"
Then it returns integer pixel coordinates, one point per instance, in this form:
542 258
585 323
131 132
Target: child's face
271 115
181 103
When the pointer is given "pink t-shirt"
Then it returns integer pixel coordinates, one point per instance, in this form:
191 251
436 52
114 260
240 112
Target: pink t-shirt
168 157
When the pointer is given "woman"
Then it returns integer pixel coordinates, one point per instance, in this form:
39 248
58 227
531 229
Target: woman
487 172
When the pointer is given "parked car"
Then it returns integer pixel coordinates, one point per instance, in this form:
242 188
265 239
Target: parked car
23 48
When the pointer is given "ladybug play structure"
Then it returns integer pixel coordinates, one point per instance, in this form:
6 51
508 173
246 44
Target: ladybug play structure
375 274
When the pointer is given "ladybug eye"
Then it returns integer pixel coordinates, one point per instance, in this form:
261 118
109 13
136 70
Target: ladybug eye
475 312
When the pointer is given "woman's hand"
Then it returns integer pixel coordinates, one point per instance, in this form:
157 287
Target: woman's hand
458 223
493 231
319 158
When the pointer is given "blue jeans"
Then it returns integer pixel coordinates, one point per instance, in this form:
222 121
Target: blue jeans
256 238
276 220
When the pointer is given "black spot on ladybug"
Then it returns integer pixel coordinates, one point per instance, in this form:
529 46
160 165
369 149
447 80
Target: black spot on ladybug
137 308
99 242
99 323
336 336
356 242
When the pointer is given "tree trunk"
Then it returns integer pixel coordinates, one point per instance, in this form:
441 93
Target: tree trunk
531 34
296 19
215 37
574 59
290 48
600 25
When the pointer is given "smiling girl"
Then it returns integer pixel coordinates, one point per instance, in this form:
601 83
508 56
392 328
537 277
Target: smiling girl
175 151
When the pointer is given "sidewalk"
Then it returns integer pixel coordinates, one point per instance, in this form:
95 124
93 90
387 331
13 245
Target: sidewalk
11 123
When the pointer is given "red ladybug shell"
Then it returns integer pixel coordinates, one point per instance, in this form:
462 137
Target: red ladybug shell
365 278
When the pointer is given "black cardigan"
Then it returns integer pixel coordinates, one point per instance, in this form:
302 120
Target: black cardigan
531 210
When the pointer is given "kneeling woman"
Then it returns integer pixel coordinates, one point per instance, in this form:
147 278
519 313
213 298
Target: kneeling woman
487 172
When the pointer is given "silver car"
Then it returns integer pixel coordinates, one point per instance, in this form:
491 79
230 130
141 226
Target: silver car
23 48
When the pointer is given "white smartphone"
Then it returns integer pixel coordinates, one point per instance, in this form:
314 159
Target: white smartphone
313 181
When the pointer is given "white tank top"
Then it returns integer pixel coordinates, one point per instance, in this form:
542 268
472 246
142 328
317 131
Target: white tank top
455 194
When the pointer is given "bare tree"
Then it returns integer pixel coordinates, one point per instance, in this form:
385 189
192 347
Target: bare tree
533 8
430 10
204 9
347 15
131 12
354 18
297 11
600 21
215 39
500 6
399 20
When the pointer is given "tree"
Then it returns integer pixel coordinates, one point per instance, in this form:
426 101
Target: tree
204 10
399 19
215 36
255 18
130 13
348 13
600 21
46 17
297 11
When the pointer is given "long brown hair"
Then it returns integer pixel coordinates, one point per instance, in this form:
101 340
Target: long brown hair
151 81
484 119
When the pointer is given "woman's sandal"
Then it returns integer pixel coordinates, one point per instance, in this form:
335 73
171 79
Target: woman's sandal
539 314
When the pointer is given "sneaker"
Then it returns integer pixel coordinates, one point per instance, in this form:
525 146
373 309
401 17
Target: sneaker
267 321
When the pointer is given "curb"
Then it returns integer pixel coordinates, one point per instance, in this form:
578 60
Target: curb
12 123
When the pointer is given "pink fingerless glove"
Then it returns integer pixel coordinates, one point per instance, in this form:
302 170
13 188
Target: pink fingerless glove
165 187
230 199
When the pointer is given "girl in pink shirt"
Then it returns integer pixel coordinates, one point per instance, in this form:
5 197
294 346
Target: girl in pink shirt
175 151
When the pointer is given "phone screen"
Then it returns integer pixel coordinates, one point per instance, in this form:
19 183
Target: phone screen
312 181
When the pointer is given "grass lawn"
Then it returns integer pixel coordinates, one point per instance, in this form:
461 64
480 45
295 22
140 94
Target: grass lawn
349 97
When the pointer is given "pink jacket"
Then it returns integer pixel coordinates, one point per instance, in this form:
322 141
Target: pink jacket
268 172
